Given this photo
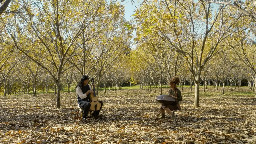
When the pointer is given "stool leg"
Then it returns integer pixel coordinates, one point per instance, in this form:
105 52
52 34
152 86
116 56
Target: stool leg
170 112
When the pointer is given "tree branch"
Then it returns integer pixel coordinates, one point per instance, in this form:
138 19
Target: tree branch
4 6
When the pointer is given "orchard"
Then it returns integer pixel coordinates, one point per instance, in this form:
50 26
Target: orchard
47 46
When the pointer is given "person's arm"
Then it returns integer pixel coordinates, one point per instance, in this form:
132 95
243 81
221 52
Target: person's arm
92 89
173 94
80 93
179 96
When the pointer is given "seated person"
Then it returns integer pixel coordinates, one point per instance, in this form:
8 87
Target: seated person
176 94
83 91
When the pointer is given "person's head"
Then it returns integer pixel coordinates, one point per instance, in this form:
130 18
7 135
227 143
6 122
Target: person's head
84 81
174 81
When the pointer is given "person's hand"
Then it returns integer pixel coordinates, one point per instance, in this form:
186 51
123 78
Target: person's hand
89 91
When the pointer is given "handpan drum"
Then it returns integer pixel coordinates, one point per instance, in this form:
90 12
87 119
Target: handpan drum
165 99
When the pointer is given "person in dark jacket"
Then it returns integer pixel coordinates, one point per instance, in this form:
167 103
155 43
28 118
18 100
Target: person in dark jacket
83 91
176 94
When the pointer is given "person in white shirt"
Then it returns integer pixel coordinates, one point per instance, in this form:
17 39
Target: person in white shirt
83 91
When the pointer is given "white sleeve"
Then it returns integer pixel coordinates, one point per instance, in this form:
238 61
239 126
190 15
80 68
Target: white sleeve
80 93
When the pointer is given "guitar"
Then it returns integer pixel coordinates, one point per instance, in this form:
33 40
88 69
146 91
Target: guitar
95 104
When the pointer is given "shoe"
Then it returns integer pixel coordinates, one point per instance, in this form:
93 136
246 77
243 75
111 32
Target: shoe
95 114
100 117
83 119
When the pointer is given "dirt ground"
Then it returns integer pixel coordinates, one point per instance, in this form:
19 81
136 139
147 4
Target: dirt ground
129 116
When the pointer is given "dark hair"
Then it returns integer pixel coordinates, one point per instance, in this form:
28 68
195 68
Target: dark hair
81 82
175 80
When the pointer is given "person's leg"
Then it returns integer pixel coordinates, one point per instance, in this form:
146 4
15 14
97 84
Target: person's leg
162 111
178 106
86 108
96 113
168 111
101 104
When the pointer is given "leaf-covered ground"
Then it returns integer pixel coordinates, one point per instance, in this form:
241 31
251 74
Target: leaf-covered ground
128 116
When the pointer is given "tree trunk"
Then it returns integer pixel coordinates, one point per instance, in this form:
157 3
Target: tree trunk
34 87
239 83
68 87
116 87
24 89
196 102
223 88
161 89
197 85
98 86
191 84
27 87
47 88
5 88
217 85
250 85
84 53
182 85
255 86
55 89
34 90
105 88
58 85
8 89
204 85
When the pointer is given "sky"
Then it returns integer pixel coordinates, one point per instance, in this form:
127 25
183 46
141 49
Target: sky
130 7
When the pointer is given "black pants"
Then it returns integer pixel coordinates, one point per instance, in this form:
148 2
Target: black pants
85 109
